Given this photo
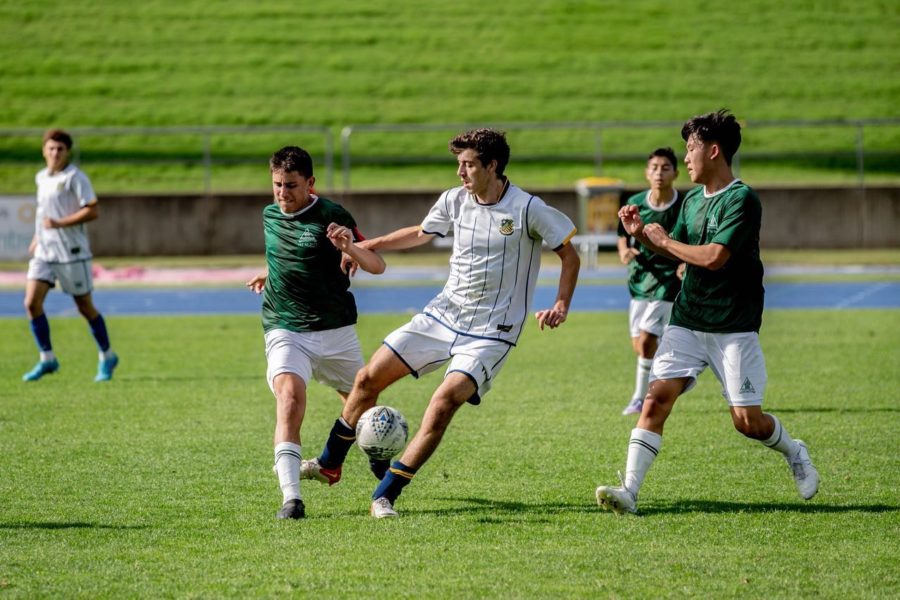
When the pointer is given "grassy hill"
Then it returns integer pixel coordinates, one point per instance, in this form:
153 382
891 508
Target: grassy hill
186 63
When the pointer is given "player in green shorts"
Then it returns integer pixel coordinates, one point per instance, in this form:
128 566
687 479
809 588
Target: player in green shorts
652 279
308 312
716 316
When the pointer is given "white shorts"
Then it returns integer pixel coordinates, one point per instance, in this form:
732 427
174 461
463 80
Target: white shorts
424 344
736 359
74 278
651 316
332 356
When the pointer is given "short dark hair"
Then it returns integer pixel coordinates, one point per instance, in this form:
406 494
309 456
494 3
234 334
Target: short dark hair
58 135
666 153
292 159
490 144
721 127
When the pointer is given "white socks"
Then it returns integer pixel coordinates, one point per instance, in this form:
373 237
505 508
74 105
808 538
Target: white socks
47 356
106 355
642 449
287 466
642 377
780 439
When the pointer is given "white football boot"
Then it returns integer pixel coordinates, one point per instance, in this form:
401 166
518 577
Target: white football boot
634 407
620 500
805 474
382 509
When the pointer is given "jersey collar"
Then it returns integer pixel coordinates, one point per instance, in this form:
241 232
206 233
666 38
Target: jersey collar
312 197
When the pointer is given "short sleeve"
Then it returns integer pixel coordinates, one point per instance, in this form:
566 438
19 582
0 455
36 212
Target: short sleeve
82 188
740 221
548 224
439 220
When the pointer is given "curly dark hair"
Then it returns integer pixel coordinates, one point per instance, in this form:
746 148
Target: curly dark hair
292 159
721 127
490 144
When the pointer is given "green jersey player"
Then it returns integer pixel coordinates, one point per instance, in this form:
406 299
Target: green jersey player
474 322
652 279
716 317
308 312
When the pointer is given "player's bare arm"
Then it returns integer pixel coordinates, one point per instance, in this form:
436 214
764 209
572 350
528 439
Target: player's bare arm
82 215
568 277
259 282
401 239
708 256
342 238
626 254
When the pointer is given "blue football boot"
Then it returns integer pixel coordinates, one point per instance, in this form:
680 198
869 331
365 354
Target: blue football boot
44 367
106 367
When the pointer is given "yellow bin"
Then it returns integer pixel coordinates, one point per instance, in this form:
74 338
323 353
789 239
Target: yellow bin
598 204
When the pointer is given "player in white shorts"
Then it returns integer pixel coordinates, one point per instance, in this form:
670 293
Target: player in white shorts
61 252
308 311
716 316
473 324
653 280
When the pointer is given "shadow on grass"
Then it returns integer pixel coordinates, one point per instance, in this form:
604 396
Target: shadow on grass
888 409
50 525
187 378
714 506
498 511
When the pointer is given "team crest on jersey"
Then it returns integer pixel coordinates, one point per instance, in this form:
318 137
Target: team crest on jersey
307 240
506 226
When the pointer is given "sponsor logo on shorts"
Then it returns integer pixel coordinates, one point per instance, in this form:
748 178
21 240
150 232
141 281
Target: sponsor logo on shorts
747 387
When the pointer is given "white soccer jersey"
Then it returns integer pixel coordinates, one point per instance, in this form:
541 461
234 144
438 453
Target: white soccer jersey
59 195
495 261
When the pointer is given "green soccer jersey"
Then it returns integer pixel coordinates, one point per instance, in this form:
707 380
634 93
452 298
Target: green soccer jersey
306 289
651 276
729 300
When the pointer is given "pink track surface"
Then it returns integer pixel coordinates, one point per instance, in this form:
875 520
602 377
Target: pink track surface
154 276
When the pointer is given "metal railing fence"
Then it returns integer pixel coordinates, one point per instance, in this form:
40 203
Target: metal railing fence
599 130
205 154
592 143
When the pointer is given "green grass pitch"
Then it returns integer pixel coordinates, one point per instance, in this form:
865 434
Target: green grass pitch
159 484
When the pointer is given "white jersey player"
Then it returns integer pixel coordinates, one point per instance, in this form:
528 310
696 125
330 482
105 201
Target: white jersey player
61 252
474 322
495 261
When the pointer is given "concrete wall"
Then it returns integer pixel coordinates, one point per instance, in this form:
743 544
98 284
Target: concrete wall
231 224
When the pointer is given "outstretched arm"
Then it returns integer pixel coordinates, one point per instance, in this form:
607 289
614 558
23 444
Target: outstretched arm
568 277
401 239
342 238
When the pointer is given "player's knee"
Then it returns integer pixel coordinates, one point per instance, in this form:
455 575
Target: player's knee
32 306
646 345
366 384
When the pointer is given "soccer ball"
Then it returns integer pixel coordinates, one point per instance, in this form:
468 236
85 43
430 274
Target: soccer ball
381 432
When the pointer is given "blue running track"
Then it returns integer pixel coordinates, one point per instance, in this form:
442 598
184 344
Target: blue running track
370 299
